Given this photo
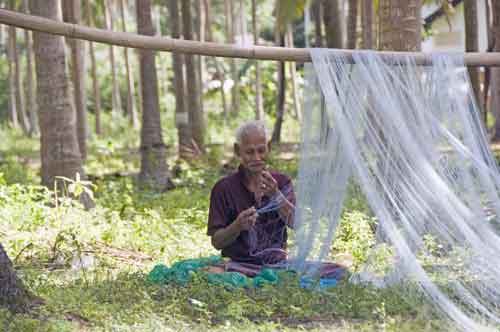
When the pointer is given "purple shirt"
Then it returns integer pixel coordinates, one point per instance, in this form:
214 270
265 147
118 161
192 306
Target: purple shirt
229 197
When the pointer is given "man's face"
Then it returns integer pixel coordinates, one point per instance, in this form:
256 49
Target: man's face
253 151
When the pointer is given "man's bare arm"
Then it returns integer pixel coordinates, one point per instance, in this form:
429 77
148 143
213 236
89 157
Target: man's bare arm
227 235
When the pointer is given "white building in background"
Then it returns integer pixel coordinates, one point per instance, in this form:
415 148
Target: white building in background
449 35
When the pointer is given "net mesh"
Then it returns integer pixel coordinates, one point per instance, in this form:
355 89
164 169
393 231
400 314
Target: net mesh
412 138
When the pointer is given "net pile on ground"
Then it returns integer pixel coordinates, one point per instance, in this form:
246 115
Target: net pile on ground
411 137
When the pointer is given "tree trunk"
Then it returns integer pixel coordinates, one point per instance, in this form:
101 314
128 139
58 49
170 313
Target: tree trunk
495 71
131 108
12 80
218 72
280 106
472 43
230 33
400 25
332 18
181 114
318 23
259 105
60 154
195 116
352 24
78 76
13 295
293 75
367 23
30 80
116 98
95 81
154 172
200 60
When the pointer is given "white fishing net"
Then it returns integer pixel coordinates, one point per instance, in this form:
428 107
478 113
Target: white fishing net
411 137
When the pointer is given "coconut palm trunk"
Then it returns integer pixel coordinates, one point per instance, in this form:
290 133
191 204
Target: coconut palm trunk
400 26
196 120
259 105
115 95
367 13
12 80
352 24
495 71
154 172
30 80
332 18
93 67
131 108
60 153
77 47
472 42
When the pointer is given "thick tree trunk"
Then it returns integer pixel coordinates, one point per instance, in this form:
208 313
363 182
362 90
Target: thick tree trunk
60 154
332 17
317 12
154 172
352 24
218 71
495 71
116 98
400 28
195 116
259 105
181 114
367 23
13 295
95 81
280 106
78 76
30 80
472 43
131 108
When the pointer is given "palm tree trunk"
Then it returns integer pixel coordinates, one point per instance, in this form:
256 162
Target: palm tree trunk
259 105
13 295
352 24
293 75
400 25
154 172
317 13
332 17
30 80
218 72
78 76
93 66
131 109
472 43
12 80
200 60
181 114
230 34
367 23
280 106
495 71
60 154
116 98
195 116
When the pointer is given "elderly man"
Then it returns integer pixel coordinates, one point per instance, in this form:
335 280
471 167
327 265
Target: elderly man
251 209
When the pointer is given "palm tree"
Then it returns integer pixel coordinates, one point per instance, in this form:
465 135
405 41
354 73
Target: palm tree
73 15
472 42
332 18
30 80
367 23
400 25
60 153
154 172
352 24
116 99
259 107
495 72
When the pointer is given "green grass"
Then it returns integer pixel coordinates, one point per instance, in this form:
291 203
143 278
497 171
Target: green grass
130 231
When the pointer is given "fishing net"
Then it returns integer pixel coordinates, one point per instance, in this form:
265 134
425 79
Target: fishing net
411 137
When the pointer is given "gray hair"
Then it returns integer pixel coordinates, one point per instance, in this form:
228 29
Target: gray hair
251 126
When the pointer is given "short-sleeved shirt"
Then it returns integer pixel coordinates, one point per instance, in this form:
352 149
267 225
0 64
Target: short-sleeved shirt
229 197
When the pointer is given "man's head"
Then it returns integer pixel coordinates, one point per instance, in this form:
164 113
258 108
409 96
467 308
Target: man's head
252 145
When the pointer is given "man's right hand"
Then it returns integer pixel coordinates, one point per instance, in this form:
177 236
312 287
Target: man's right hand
246 219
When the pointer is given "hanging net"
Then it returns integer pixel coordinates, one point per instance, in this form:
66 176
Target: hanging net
411 137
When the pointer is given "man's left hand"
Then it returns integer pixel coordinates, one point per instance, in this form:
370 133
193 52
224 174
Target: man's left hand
269 186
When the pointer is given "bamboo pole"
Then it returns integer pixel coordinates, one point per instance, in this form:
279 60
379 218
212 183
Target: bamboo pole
127 39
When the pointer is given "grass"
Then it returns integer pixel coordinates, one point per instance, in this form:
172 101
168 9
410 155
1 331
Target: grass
90 267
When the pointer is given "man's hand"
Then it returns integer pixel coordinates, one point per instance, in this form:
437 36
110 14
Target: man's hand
269 186
246 219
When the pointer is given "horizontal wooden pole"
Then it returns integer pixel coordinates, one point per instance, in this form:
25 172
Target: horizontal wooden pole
133 40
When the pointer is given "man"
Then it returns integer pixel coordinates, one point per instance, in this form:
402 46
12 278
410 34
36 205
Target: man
251 209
